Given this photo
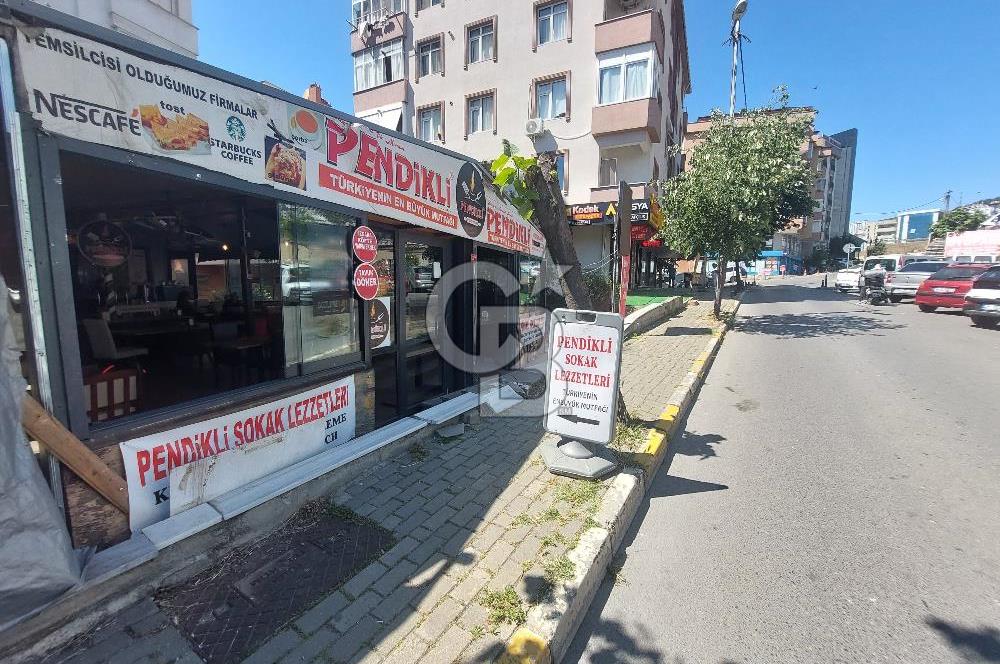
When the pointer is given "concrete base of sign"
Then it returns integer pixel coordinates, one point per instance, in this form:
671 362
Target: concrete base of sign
577 459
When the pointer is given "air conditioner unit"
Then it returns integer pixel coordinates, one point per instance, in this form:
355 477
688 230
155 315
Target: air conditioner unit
534 127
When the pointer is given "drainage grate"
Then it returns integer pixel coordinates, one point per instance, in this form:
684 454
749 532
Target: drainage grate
233 607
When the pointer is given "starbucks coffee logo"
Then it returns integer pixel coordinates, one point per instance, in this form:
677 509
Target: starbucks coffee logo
471 199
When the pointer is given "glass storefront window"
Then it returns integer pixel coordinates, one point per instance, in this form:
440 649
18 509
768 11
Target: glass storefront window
423 269
320 312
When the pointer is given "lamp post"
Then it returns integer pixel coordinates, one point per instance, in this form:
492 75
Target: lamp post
738 11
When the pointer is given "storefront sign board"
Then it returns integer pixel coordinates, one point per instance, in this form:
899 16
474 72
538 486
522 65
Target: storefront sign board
233 449
365 244
591 214
93 92
581 395
366 281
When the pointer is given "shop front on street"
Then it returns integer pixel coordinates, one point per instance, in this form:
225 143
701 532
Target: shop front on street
184 247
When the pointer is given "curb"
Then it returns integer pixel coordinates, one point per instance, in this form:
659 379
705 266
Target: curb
551 625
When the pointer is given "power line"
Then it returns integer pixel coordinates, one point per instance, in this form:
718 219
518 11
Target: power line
914 207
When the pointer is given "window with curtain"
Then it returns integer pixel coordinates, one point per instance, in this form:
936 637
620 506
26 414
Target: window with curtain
429 123
429 57
481 43
550 99
378 65
363 10
552 22
627 74
480 114
608 175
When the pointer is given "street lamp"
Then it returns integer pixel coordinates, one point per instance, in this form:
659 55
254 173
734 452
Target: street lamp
738 11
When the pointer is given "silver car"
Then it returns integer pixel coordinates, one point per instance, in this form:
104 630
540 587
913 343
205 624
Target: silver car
905 281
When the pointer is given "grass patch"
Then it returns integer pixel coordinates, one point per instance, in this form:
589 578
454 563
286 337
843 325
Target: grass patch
477 632
579 493
551 514
504 605
630 436
559 569
522 520
553 540
418 452
590 522
527 565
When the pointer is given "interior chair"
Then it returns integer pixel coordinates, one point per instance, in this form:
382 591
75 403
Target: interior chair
103 346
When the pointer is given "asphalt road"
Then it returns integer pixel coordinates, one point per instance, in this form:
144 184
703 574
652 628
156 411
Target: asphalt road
835 497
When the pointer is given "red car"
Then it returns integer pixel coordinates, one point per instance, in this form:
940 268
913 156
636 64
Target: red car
947 287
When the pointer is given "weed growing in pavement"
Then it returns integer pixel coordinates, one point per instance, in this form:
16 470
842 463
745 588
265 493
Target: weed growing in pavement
522 520
553 540
559 569
615 573
590 522
526 565
630 436
477 632
579 492
418 452
504 605
551 514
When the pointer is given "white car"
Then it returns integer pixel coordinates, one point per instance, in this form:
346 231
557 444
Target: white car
848 279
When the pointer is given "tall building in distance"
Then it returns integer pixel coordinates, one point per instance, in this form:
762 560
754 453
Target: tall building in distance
831 160
600 82
164 23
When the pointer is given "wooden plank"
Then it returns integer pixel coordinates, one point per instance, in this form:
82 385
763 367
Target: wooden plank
71 451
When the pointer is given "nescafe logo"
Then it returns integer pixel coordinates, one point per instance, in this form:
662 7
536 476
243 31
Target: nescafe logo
471 199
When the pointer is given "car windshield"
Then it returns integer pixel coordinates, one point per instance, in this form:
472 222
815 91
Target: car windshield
957 273
924 266
991 275
888 263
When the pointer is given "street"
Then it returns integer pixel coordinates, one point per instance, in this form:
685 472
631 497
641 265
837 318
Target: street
833 498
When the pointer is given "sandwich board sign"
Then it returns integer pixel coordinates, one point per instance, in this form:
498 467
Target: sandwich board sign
584 359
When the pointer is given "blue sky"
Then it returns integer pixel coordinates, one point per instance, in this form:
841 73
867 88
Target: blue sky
920 79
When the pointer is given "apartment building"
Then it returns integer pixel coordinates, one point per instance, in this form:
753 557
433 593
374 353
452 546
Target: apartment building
601 83
164 23
831 160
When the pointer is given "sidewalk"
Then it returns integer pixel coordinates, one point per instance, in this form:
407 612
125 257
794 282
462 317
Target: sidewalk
482 530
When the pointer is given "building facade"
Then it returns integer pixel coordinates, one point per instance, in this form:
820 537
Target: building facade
904 227
164 23
831 160
601 83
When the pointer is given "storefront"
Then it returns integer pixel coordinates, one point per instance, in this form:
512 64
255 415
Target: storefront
184 248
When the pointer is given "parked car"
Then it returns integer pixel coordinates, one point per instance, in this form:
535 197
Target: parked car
905 281
947 287
889 262
848 279
982 302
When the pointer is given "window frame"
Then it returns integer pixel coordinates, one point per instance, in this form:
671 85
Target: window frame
600 171
479 96
548 80
542 5
490 22
439 38
620 59
564 185
375 52
434 106
417 8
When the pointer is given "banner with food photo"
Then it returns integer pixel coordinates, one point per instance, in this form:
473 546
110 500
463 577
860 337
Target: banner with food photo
90 91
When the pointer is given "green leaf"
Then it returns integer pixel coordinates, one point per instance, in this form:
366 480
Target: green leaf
504 176
499 163
524 163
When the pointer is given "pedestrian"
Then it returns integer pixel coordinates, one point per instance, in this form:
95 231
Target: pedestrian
671 273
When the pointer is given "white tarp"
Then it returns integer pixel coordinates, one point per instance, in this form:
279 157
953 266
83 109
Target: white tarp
37 563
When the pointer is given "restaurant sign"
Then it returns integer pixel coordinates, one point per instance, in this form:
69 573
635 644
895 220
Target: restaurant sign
174 470
90 91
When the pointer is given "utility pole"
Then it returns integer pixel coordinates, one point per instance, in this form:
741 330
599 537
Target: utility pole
738 11
947 200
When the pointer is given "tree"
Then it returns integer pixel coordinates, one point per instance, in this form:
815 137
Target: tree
532 185
747 179
959 219
876 247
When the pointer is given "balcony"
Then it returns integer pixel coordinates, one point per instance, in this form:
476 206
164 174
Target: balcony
387 30
640 191
637 115
381 95
629 30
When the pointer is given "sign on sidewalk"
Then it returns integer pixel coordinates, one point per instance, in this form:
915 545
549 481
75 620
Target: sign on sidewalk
581 394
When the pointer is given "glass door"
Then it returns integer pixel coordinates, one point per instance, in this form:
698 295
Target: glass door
384 330
423 376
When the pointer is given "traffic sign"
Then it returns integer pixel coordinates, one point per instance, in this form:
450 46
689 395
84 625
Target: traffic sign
581 394
849 248
365 244
366 281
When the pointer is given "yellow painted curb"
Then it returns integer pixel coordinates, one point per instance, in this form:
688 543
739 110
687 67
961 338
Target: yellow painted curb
666 421
526 647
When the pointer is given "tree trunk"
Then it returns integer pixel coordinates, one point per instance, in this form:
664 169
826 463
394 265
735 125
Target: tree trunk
720 282
550 212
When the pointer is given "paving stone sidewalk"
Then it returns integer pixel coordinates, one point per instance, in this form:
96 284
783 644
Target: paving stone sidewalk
482 530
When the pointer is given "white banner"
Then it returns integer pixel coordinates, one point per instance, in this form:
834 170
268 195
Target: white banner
93 92
205 459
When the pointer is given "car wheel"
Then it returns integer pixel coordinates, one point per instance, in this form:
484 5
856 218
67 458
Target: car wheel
895 299
927 308
980 321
